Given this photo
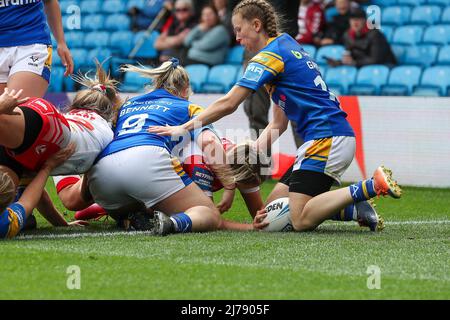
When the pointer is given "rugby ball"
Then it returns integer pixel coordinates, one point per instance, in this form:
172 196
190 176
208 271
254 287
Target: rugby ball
278 216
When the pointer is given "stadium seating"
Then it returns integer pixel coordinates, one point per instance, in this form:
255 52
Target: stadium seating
235 55
396 15
402 80
424 55
79 57
310 49
417 30
438 34
220 79
91 6
388 32
133 82
197 74
56 80
384 3
117 22
65 5
331 51
445 18
444 56
340 78
114 6
102 54
428 15
409 35
411 2
74 39
369 80
96 39
56 60
147 50
442 3
135 3
330 13
92 22
122 42
435 81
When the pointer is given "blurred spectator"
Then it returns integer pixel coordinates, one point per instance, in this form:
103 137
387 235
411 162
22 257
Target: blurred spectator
208 42
224 15
336 29
365 46
141 18
311 21
170 42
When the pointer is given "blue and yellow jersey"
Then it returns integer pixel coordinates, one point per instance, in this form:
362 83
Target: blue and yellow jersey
12 220
296 86
23 22
158 108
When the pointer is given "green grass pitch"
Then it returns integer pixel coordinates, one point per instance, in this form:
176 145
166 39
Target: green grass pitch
412 253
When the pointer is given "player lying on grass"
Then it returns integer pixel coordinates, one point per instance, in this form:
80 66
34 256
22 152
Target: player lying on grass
14 215
300 95
204 160
137 172
33 129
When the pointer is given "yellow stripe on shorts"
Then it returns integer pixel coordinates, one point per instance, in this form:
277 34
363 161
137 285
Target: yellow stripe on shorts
320 149
14 226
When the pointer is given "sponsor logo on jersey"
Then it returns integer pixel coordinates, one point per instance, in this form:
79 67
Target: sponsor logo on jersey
40 149
254 72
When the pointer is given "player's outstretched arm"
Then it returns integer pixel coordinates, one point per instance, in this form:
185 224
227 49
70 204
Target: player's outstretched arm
219 109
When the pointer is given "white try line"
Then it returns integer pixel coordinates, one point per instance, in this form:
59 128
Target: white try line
141 233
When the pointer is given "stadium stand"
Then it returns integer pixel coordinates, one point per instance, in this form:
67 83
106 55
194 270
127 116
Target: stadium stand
417 30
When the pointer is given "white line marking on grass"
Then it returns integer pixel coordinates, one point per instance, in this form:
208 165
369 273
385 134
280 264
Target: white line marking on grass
143 233
81 235
418 222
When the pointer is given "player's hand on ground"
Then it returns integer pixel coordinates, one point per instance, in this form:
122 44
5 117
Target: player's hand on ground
258 223
78 223
175 131
59 157
66 58
227 200
9 100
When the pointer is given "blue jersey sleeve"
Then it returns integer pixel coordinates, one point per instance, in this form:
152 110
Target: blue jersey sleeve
12 220
261 70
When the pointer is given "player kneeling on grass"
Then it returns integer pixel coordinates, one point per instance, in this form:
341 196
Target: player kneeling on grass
301 95
137 172
13 216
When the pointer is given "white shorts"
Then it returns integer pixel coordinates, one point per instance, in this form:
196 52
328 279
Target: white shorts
144 174
331 156
35 58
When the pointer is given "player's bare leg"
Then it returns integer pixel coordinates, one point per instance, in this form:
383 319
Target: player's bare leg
33 85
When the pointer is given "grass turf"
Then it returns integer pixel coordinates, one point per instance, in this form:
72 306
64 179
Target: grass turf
330 263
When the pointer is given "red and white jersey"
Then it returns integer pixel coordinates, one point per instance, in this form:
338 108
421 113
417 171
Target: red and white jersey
194 164
91 134
53 136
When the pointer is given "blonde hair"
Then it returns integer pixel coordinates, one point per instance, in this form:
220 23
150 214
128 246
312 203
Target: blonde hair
101 95
262 10
7 191
247 164
169 76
